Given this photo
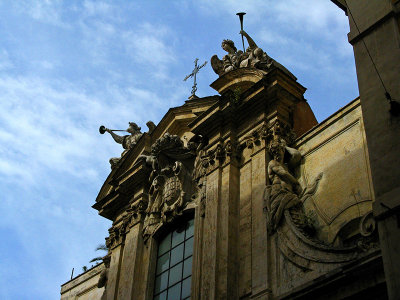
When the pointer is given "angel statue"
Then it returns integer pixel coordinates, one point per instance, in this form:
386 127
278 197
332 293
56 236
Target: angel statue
230 61
127 141
253 57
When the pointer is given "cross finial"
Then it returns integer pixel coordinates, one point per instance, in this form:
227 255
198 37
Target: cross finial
193 74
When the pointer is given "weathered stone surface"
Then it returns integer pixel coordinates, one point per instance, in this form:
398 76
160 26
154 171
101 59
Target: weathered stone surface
130 263
210 236
245 232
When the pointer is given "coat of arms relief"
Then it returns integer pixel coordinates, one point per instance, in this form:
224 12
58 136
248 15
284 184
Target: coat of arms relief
171 182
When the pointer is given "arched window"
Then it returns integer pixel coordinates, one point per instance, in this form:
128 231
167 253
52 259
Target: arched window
174 264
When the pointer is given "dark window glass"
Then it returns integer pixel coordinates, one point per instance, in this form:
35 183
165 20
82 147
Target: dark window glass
186 288
176 255
187 267
162 296
162 263
190 229
175 274
189 247
174 293
177 237
174 264
161 282
165 245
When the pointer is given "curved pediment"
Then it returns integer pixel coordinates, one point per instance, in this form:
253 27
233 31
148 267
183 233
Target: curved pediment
242 79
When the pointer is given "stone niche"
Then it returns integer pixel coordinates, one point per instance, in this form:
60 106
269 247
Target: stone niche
281 204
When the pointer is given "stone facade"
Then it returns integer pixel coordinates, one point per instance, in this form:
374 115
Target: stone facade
282 206
84 286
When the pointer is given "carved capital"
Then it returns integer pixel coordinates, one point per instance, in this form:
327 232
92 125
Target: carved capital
252 140
116 236
136 211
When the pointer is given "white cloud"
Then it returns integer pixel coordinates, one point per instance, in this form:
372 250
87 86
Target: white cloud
231 7
5 61
149 45
310 15
97 8
44 64
46 11
52 125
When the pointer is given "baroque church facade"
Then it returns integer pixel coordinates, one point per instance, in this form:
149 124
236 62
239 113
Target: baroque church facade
243 195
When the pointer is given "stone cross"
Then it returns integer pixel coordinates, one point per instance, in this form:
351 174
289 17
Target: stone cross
193 74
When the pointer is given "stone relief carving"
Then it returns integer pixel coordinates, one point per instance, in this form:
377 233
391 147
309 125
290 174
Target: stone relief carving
253 57
293 229
365 238
171 181
198 144
136 210
284 192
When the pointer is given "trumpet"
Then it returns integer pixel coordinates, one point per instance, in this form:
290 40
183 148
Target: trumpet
102 129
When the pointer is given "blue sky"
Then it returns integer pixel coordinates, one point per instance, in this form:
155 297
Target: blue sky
67 67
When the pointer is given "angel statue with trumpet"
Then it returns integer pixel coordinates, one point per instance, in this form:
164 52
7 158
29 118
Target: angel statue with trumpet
127 141
253 57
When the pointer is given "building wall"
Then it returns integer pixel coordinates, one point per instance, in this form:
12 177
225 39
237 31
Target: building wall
375 37
84 286
337 149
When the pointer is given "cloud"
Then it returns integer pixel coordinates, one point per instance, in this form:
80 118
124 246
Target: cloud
52 125
97 8
44 125
47 11
150 45
311 15
5 61
44 64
